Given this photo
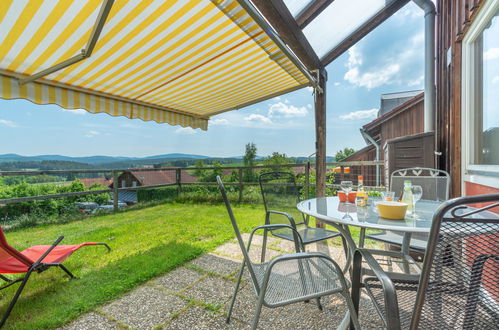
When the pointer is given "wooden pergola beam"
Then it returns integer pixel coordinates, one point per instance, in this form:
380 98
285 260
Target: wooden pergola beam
311 11
363 30
277 14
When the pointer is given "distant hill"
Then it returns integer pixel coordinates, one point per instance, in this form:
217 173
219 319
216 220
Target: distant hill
97 160
48 162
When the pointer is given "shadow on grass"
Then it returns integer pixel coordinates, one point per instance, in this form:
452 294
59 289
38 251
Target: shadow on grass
63 300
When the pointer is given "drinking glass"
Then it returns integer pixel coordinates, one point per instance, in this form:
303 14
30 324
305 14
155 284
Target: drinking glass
347 187
388 195
417 193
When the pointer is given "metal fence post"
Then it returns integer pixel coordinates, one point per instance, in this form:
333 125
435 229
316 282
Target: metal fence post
115 191
240 185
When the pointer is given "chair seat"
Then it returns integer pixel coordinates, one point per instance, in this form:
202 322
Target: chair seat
297 280
308 234
418 240
57 255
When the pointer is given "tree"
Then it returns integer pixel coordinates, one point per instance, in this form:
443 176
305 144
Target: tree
277 159
342 154
249 160
199 171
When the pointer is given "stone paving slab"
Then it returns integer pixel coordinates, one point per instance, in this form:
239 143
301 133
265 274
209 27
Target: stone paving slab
145 307
212 290
216 264
201 319
91 321
178 279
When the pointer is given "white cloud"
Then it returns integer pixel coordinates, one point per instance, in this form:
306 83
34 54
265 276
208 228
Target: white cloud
310 89
495 80
259 119
280 109
127 125
337 83
91 134
360 114
219 121
277 98
491 54
309 106
185 130
416 82
8 123
77 111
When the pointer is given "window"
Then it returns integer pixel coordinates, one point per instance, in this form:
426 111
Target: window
123 183
480 88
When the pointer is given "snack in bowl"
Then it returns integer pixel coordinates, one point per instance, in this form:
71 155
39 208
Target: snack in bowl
392 210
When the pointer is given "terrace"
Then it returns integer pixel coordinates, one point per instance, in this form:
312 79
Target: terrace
175 264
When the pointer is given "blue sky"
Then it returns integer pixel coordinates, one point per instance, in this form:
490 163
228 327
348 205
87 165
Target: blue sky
389 59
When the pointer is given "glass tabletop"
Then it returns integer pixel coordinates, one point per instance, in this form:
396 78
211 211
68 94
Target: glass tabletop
330 209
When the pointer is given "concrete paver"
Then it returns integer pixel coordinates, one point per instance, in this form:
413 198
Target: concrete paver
145 307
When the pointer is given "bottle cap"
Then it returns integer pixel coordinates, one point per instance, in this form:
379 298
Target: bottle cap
407 181
361 177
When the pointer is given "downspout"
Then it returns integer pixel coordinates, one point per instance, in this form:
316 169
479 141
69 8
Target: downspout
429 76
369 138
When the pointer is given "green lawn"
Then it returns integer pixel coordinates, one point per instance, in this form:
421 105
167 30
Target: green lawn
145 243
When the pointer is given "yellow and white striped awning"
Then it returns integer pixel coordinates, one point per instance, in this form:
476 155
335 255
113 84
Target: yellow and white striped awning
171 61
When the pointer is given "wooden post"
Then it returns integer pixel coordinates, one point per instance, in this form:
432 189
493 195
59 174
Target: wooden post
320 133
307 180
115 191
240 185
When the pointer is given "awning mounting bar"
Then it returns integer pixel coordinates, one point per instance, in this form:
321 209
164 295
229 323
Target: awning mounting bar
85 53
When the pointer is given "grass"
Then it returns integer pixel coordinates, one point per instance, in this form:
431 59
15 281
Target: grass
145 243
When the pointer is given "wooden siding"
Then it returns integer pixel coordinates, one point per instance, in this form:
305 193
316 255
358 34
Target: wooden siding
454 18
408 122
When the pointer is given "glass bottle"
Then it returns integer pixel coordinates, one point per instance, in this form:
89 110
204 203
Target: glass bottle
361 198
407 196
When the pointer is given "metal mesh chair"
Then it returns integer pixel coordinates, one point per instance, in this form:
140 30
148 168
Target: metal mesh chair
458 287
288 278
280 194
435 184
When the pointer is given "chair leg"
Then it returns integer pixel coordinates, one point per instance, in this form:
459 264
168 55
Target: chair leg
14 300
67 271
258 310
354 320
319 305
236 289
356 286
6 279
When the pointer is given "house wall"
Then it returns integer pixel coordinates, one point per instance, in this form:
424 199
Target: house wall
408 122
128 178
453 20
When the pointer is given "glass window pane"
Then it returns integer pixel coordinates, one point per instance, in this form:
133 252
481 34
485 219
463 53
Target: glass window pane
487 126
296 6
341 18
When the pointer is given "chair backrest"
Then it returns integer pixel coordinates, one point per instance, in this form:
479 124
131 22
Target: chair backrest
435 183
7 251
280 193
237 232
459 287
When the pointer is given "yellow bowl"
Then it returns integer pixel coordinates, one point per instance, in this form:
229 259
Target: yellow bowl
392 210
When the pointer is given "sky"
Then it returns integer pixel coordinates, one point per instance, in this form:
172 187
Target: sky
389 59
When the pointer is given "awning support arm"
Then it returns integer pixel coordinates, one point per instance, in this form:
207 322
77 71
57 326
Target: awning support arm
85 53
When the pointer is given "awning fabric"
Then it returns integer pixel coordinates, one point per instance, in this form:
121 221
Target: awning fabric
176 62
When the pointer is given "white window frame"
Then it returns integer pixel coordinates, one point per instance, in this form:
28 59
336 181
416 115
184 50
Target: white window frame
487 175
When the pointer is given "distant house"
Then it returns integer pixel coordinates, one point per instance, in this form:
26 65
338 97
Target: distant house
400 115
103 181
131 178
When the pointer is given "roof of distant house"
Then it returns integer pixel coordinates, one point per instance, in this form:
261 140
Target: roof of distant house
151 178
103 181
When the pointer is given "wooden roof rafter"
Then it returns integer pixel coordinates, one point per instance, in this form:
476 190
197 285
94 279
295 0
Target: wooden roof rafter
363 30
278 15
311 11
